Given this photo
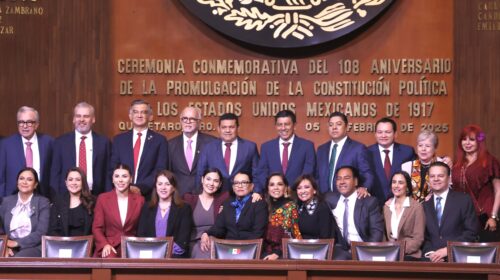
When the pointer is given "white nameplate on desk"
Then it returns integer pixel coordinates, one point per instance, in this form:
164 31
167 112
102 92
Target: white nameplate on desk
378 259
145 254
473 259
65 253
306 256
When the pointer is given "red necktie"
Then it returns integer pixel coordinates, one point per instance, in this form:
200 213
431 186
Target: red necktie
137 148
284 159
82 155
387 165
227 155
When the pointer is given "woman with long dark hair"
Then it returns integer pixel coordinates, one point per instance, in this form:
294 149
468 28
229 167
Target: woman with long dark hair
72 212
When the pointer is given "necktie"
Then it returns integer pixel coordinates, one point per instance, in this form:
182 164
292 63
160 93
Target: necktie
345 221
137 148
332 167
227 155
29 155
439 209
284 160
387 165
82 155
189 154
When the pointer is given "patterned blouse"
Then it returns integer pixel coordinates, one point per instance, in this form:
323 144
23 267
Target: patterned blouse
283 223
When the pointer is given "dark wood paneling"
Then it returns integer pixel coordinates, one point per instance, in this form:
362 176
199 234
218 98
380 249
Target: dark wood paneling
54 61
477 72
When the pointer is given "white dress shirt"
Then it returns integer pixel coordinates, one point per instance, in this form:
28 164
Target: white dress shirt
234 150
144 133
36 153
89 144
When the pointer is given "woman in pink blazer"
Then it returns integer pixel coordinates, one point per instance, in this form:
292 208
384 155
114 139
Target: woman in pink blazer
116 214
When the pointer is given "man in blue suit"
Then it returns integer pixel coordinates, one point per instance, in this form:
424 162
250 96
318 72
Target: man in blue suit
82 148
25 149
185 150
386 157
230 153
358 219
143 150
341 151
449 215
287 154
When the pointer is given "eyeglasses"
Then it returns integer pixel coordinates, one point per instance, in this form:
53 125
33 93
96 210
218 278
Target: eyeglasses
26 123
241 184
189 120
135 112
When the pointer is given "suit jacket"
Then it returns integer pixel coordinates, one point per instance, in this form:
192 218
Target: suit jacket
251 224
458 222
107 227
154 157
353 153
302 160
12 160
368 218
64 158
381 188
40 209
59 217
410 229
177 161
179 224
247 158
192 200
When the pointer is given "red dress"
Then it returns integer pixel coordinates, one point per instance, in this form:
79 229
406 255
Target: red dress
477 181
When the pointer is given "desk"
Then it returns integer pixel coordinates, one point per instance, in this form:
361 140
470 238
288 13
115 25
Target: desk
127 269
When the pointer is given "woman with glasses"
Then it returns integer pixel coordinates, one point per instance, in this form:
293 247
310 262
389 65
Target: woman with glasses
206 206
167 215
240 219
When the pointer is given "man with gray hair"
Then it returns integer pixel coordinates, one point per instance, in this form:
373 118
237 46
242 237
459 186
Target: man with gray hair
141 149
185 149
82 148
27 148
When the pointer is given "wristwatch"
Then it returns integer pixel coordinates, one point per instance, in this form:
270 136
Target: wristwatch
494 217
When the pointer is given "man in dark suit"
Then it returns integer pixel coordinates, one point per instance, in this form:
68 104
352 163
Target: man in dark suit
141 148
25 149
287 154
230 154
82 148
449 215
358 219
185 150
240 219
341 151
386 157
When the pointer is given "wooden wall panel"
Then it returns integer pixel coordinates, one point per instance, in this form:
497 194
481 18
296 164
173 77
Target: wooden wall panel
54 61
477 68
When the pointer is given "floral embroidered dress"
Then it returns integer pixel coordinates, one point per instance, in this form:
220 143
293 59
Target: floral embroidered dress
283 223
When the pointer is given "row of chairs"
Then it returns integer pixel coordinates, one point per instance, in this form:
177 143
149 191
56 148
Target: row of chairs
317 249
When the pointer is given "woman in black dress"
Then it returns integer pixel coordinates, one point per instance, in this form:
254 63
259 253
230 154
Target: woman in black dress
72 212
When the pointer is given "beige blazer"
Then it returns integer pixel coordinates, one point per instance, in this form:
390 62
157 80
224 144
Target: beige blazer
410 229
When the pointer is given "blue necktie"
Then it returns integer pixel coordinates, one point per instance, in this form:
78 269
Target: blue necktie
439 209
345 221
332 167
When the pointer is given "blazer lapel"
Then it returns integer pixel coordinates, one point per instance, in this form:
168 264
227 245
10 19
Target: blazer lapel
240 155
171 221
94 149
115 210
275 153
146 149
65 213
245 209
406 213
19 150
132 204
446 208
10 204
357 216
343 152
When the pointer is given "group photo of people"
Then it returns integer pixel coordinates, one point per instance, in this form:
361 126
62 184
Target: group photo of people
196 186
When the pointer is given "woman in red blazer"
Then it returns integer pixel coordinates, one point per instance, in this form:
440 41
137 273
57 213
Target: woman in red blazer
116 214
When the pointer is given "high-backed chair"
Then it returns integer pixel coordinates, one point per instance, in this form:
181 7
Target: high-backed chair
468 252
3 245
378 251
147 247
224 249
67 247
309 249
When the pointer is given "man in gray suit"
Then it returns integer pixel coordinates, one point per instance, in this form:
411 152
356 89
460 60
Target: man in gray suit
185 150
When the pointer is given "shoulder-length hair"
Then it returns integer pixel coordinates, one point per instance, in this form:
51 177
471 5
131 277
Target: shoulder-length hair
482 152
86 197
407 181
212 170
311 180
176 199
35 176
